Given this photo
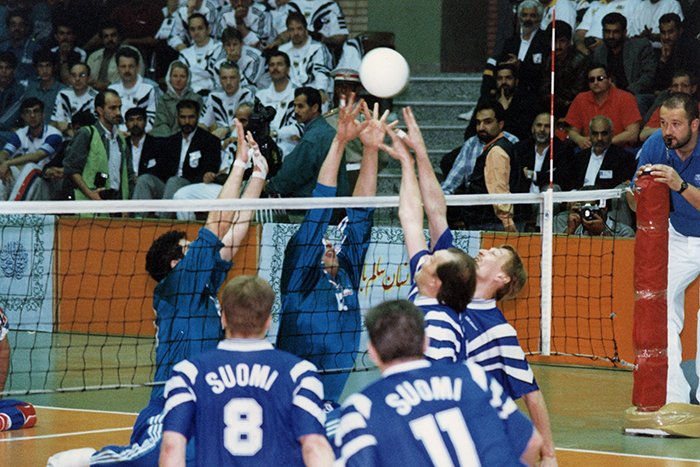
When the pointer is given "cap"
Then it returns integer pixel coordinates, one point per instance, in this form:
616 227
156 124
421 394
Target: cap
346 74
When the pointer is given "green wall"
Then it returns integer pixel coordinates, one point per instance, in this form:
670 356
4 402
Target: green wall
416 24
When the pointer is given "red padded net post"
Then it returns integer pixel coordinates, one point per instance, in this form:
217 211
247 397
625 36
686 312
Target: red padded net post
650 283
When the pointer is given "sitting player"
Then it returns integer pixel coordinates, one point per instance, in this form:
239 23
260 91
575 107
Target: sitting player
189 274
394 421
443 277
274 403
320 319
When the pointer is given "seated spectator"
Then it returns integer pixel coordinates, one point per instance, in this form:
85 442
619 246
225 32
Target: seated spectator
144 147
21 45
682 82
11 95
519 104
592 218
280 96
220 106
249 59
604 164
103 62
279 10
132 88
251 19
201 56
78 97
679 51
631 62
178 83
647 13
589 33
176 29
46 86
603 99
25 155
570 67
566 13
66 52
326 22
186 157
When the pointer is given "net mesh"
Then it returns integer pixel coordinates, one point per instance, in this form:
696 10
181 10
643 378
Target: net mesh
80 304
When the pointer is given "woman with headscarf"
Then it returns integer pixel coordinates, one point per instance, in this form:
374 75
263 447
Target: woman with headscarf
179 78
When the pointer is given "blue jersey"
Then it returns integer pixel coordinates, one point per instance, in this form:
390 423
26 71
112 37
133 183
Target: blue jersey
320 319
245 403
442 326
186 305
493 344
422 413
684 217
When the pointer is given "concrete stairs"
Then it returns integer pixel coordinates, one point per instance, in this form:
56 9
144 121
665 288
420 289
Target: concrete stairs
437 101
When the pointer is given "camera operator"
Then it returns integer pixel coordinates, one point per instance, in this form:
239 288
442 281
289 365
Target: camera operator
591 218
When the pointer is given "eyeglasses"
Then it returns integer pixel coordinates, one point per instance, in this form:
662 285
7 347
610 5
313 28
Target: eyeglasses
593 79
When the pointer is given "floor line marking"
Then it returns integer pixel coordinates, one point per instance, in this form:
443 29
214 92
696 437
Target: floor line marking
628 454
59 435
84 410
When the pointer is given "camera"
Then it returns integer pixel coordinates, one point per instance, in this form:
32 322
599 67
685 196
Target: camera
259 120
101 179
589 212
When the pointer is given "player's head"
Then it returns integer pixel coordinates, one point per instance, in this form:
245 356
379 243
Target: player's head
247 304
396 332
329 260
165 252
451 269
503 269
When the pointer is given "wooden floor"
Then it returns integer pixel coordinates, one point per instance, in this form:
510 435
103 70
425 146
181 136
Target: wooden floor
585 405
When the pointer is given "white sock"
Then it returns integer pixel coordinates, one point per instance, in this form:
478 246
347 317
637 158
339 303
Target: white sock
72 458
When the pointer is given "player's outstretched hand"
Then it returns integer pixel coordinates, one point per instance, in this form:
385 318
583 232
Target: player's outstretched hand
398 149
348 125
259 162
414 137
242 148
373 134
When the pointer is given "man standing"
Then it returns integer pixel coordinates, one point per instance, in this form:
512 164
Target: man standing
188 322
79 97
201 56
673 156
132 89
99 159
26 154
277 416
103 62
603 99
301 167
311 60
380 426
187 156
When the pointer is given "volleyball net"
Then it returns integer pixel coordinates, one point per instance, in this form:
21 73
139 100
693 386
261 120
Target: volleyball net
80 303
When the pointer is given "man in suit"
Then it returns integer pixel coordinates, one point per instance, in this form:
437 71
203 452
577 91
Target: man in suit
186 157
603 164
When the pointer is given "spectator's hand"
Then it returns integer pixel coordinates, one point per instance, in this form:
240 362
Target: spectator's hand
348 125
414 137
54 173
595 44
594 227
574 220
208 177
511 60
373 134
4 171
529 174
95 194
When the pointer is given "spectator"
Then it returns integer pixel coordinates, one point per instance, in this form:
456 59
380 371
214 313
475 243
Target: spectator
103 62
249 60
279 10
200 57
251 19
591 218
566 13
144 147
682 82
66 52
603 164
679 51
647 14
326 21
603 99
220 106
25 155
178 83
132 88
21 45
589 33
46 86
11 95
80 96
176 27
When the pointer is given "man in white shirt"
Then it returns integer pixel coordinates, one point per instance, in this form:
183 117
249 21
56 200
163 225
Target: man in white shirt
251 19
132 89
590 29
80 96
249 59
201 56
175 28
325 19
103 62
220 106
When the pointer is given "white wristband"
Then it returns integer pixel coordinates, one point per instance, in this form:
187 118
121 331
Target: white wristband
240 163
258 175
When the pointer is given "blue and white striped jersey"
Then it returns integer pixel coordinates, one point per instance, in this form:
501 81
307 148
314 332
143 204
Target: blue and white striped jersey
22 143
245 403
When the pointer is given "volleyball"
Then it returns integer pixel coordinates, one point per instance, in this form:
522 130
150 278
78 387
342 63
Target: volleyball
384 72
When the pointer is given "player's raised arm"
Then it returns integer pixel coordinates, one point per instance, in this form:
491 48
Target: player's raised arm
316 451
371 136
410 206
432 195
172 450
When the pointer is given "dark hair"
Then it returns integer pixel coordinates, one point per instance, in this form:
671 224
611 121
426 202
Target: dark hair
681 100
127 52
162 252
200 16
247 303
42 56
598 65
458 278
187 104
231 33
671 18
396 330
491 104
87 67
278 53
30 102
515 270
615 18
109 24
298 17
563 29
681 73
229 65
135 112
313 97
101 97
83 118
8 57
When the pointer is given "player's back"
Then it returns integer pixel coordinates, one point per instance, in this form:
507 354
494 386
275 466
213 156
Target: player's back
252 405
423 413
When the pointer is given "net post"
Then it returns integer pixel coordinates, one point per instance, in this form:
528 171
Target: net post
546 272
